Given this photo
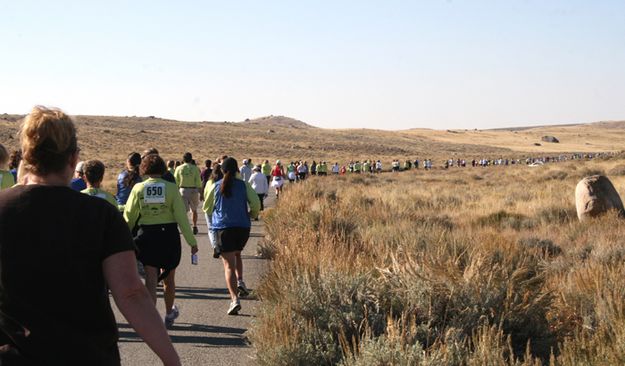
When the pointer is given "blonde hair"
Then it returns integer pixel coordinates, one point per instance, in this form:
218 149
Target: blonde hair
4 156
48 139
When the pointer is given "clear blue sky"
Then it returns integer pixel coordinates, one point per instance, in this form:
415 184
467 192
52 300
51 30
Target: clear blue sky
374 64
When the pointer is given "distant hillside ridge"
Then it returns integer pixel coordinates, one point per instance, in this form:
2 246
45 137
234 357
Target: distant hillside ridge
280 121
611 124
276 121
602 124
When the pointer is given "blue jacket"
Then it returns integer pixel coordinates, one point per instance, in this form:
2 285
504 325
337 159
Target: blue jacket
228 212
123 192
78 184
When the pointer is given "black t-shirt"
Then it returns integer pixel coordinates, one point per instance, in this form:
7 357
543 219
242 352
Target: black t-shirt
53 241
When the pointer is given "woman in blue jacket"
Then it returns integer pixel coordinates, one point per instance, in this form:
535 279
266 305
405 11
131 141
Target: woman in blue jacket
227 202
128 178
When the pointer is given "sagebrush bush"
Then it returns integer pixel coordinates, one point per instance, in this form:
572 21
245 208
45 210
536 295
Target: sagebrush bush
554 175
586 172
618 170
503 219
440 268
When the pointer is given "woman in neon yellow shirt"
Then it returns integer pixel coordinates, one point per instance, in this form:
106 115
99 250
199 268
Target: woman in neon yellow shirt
6 178
156 208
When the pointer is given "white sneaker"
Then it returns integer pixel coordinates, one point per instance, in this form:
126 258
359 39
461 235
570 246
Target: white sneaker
243 291
169 318
235 306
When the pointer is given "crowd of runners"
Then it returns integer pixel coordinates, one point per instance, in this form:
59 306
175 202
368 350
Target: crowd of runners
102 239
66 243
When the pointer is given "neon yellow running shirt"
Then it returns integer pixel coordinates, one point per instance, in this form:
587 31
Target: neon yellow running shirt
266 169
188 176
156 201
6 180
97 192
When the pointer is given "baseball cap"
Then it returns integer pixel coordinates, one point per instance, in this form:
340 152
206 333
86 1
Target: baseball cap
79 167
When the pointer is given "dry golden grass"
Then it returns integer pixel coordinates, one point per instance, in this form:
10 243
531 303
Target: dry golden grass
466 266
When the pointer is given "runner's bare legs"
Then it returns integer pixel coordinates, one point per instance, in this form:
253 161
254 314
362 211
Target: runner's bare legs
239 266
151 280
229 260
169 290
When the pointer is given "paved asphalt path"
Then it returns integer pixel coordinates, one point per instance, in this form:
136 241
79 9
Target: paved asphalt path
204 334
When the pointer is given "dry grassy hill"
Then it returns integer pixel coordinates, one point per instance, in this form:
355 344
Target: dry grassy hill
591 137
111 138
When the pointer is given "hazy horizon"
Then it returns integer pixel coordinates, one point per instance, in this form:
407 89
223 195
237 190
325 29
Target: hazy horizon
332 128
396 65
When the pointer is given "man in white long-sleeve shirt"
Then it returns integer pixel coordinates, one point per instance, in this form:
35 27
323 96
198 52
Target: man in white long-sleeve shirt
245 170
259 184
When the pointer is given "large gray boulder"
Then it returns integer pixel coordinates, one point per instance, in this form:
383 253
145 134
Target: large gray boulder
596 195
550 139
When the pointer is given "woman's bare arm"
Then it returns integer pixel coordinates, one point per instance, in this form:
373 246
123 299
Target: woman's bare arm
134 302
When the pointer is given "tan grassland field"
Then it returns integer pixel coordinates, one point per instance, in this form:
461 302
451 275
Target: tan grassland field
465 266
459 266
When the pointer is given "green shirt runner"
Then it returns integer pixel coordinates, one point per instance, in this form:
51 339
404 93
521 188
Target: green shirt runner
6 180
188 176
156 201
100 193
266 169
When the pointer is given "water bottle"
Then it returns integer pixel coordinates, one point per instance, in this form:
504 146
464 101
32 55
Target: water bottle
194 259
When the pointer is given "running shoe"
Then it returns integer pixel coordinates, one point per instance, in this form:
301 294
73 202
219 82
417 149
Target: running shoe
169 318
234 308
195 231
243 291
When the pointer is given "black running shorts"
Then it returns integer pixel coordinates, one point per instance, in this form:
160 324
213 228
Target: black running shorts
159 246
233 239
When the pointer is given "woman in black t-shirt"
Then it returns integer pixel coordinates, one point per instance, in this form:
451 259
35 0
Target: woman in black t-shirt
80 244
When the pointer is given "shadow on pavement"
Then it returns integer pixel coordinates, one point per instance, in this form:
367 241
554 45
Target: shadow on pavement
235 340
198 293
202 290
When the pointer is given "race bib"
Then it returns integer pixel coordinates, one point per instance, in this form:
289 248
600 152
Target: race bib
154 193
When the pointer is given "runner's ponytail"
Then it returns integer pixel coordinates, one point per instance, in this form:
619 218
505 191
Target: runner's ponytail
133 176
229 167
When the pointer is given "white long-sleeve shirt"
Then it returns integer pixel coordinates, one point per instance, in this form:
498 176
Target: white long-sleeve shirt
258 181
246 172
